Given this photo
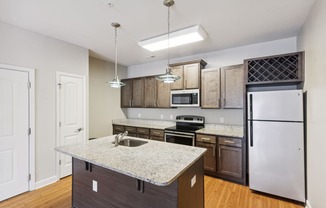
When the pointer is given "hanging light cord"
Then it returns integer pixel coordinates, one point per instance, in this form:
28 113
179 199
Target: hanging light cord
116 53
168 67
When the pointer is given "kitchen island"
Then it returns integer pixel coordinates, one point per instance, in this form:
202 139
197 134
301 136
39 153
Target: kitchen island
155 174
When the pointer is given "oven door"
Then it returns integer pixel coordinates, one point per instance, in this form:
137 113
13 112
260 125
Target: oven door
179 138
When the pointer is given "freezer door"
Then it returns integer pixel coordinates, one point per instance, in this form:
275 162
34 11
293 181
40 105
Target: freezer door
284 105
276 159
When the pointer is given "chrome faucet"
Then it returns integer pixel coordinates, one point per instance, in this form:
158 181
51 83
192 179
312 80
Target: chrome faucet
119 137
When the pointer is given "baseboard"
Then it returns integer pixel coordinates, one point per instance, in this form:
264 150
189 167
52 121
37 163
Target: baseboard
308 204
45 182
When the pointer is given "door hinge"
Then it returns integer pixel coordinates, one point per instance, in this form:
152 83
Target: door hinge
29 177
29 131
59 162
59 85
60 124
29 85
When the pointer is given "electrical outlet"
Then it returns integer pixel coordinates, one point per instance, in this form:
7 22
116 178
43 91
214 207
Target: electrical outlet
193 181
95 186
222 119
162 117
171 117
139 115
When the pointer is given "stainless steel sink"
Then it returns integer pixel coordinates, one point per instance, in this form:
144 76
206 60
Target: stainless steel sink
131 142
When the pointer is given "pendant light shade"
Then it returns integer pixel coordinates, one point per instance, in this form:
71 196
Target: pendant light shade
116 83
168 77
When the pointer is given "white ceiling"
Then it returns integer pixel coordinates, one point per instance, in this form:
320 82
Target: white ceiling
87 23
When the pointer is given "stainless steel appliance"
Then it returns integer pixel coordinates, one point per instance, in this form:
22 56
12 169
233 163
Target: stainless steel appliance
185 98
184 131
276 143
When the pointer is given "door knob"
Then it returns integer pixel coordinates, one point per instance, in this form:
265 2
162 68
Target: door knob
78 130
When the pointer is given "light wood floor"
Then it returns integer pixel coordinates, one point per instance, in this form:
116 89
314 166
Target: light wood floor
218 194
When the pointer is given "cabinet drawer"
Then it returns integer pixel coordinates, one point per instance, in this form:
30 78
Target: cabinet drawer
206 138
118 128
157 132
142 131
143 136
131 129
234 142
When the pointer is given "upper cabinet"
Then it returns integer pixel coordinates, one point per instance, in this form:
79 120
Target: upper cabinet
189 73
157 94
279 69
132 94
222 87
232 86
150 92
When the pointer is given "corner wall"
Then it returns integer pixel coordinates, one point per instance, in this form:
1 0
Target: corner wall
104 101
46 55
220 58
312 39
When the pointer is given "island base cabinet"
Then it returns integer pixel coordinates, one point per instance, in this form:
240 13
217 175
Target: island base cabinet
119 190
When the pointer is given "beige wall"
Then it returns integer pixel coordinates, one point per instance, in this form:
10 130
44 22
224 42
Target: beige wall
46 55
104 101
312 39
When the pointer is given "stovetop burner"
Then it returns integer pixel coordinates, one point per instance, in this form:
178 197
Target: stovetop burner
188 123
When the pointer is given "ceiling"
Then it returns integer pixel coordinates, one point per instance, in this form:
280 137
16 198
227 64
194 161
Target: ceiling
87 23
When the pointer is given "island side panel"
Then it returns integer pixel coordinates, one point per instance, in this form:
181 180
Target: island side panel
192 196
118 190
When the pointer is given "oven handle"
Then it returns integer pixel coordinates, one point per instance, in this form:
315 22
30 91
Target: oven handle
174 133
181 135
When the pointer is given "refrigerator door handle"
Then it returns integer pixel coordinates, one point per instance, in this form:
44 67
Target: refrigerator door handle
251 117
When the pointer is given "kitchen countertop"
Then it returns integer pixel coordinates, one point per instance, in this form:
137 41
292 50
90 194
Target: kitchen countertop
153 124
222 130
159 163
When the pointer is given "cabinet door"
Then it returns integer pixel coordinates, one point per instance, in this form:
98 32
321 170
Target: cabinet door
138 92
210 156
150 92
177 85
162 95
210 88
230 161
126 93
232 81
191 76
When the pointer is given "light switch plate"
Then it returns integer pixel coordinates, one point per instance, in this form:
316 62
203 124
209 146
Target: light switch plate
222 119
162 117
193 181
171 117
95 186
139 115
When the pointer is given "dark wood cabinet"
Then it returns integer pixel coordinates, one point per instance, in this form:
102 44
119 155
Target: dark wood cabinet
162 95
190 74
119 190
224 157
210 88
230 157
150 92
208 142
117 129
132 94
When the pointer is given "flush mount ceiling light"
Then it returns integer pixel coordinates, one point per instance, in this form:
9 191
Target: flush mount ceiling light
168 77
116 83
177 38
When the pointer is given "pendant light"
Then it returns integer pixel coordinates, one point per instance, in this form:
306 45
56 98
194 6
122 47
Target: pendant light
168 77
116 83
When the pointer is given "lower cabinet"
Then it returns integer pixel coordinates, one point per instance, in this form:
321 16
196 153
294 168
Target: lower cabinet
140 132
224 157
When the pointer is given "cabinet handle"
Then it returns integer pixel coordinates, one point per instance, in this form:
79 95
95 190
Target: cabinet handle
230 142
224 102
214 149
130 103
206 139
219 102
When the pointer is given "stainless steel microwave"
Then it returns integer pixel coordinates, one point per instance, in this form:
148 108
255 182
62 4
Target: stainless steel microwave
185 98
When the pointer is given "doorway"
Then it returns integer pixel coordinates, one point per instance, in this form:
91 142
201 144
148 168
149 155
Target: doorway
71 116
17 132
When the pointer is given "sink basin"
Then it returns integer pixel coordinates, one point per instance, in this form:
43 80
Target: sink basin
131 142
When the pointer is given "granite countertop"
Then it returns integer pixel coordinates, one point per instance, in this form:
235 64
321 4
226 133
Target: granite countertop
222 130
159 163
153 124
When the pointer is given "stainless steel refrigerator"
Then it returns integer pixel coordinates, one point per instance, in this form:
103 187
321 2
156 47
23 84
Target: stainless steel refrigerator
276 143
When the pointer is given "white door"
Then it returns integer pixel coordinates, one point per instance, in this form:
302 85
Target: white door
14 134
71 116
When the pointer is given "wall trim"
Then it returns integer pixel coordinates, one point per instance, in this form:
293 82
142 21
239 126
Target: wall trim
308 204
45 182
